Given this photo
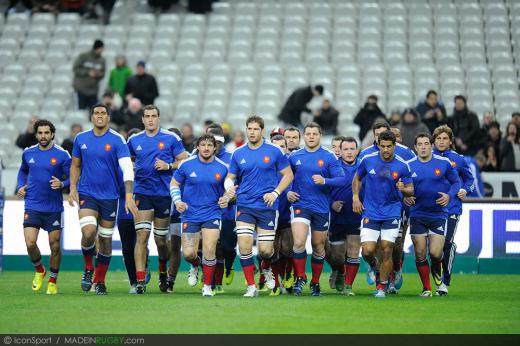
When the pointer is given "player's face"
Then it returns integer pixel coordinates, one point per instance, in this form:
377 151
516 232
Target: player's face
293 139
312 137
100 117
254 132
379 131
442 142
44 136
206 149
397 134
336 148
151 119
423 147
349 151
281 144
386 148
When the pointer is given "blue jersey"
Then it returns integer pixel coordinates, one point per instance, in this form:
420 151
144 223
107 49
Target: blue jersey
344 193
382 199
37 169
284 206
305 164
121 212
203 185
257 173
400 150
430 178
478 183
460 165
100 172
229 212
164 145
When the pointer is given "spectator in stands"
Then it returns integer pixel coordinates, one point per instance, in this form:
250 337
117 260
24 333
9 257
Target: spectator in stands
206 124
411 125
432 111
296 104
133 115
28 138
487 118
77 6
142 85
161 5
89 70
327 118
107 7
493 137
510 148
188 138
226 127
516 118
116 116
237 141
119 76
369 137
367 116
395 118
69 142
465 126
491 164
200 6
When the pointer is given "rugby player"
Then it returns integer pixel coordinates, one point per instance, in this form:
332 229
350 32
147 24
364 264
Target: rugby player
293 137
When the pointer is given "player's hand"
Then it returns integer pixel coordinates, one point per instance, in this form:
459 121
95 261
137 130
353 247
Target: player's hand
181 206
130 206
409 201
337 206
318 179
223 202
73 197
462 194
161 165
400 185
231 192
443 200
292 196
56 184
22 191
357 206
270 198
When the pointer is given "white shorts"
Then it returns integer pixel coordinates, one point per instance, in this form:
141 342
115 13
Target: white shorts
175 229
388 230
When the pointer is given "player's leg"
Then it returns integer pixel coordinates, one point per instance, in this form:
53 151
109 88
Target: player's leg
104 255
265 242
160 232
286 257
352 260
336 249
436 240
174 254
245 239
450 247
419 234
318 240
275 263
143 228
389 233
300 230
190 248
370 233
88 223
398 254
31 237
228 242
55 259
209 246
219 267
368 250
127 234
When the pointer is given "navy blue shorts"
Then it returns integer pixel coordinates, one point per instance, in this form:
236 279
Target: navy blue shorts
228 236
175 218
263 218
107 208
160 204
48 221
194 227
427 226
316 221
339 232
405 214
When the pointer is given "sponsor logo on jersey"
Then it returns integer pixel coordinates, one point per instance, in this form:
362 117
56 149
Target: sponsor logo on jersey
193 175
108 147
267 159
54 161
218 176
414 175
437 172
138 148
243 161
298 163
454 164
372 171
161 145
395 175
321 163
31 160
84 146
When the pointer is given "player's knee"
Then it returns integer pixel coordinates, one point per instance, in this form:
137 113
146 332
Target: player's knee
266 253
161 232
105 232
31 245
88 224
143 226
190 255
336 258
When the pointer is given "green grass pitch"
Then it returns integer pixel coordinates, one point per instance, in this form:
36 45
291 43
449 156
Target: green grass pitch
476 304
